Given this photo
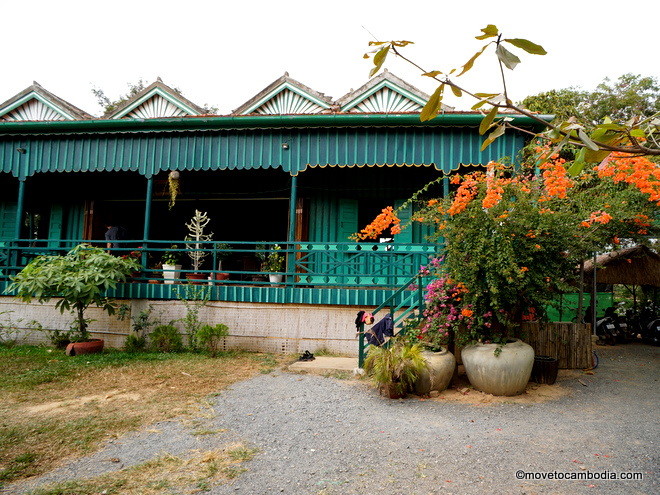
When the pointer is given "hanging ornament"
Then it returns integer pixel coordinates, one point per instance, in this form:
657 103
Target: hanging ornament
173 186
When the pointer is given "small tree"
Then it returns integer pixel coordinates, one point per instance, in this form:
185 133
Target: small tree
79 278
197 237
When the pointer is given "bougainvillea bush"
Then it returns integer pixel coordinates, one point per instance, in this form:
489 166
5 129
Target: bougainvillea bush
515 241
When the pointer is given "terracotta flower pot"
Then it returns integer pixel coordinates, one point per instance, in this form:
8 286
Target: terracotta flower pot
92 346
196 278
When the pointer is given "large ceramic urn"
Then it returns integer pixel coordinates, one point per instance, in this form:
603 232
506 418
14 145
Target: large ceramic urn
505 372
441 366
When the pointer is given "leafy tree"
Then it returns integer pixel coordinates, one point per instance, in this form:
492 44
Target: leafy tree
79 279
562 103
109 105
629 96
640 136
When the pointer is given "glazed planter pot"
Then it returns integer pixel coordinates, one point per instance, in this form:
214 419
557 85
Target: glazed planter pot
93 346
439 373
171 273
505 374
275 278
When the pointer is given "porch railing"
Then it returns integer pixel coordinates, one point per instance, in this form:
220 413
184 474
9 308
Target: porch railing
407 302
308 264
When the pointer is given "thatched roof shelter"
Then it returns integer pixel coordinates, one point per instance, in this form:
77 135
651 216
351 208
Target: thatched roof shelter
638 265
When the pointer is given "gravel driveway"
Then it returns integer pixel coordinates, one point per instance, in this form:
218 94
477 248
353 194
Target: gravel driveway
320 435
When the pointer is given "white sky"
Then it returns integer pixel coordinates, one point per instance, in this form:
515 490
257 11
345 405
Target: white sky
224 52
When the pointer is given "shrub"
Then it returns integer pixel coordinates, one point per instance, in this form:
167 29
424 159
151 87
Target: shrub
166 338
210 337
79 279
135 343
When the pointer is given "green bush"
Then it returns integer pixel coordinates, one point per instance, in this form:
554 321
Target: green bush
165 338
135 343
209 338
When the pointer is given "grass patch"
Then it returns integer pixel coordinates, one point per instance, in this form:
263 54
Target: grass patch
166 474
54 407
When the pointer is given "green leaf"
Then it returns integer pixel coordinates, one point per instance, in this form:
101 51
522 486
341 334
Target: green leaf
506 57
489 31
479 104
578 164
487 121
499 130
527 45
468 65
378 43
594 156
587 142
486 95
638 133
433 106
433 73
379 58
457 91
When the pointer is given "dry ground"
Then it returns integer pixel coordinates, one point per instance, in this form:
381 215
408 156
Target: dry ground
55 407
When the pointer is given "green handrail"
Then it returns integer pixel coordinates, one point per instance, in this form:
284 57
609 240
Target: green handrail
414 301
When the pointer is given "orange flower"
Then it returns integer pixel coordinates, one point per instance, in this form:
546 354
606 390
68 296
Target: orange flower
599 216
385 219
524 269
467 312
556 180
464 194
638 171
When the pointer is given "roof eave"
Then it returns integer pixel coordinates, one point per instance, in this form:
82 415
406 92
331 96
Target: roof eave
256 121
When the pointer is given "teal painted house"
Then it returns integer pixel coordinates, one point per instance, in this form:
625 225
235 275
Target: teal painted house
291 167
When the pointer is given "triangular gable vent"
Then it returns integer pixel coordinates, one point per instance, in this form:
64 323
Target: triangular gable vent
387 100
285 96
288 102
157 100
155 107
385 93
33 109
35 103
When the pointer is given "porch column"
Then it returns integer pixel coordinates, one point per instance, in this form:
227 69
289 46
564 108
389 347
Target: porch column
20 202
291 236
147 219
147 208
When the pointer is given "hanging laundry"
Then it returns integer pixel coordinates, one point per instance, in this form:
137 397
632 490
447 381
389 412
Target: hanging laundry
384 328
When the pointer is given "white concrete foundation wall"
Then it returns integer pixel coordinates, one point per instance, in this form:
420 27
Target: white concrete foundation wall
279 328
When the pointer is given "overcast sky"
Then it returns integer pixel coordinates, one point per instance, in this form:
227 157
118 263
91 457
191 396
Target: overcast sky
222 53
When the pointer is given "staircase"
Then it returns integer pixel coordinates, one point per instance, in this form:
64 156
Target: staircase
404 303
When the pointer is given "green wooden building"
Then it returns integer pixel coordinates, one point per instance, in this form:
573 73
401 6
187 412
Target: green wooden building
291 167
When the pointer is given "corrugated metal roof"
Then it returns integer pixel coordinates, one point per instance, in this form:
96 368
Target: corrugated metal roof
150 153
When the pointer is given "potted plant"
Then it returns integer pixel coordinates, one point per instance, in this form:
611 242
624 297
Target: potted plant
395 367
222 252
273 263
79 280
441 363
171 263
197 238
512 242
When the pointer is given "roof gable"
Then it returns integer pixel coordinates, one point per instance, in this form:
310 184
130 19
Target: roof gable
385 93
156 100
37 104
285 96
